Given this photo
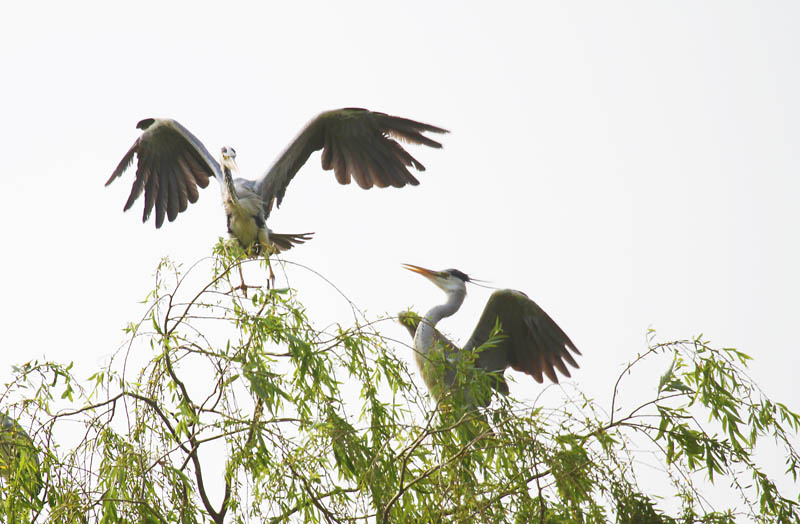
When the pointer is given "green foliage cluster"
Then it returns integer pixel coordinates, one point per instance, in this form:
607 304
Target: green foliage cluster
19 469
232 406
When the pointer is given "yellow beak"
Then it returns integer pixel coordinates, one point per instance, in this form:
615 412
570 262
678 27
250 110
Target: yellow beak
422 271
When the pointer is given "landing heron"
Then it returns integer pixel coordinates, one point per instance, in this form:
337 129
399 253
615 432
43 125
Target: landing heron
357 144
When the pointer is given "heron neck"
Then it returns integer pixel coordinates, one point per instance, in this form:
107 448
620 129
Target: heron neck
228 176
423 339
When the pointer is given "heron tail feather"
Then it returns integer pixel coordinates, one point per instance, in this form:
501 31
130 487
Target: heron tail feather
286 241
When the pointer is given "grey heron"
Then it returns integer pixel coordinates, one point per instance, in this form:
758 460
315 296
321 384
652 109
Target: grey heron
357 144
530 341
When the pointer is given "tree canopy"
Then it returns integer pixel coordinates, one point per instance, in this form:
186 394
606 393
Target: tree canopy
229 404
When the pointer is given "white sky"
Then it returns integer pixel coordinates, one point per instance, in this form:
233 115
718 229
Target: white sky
627 165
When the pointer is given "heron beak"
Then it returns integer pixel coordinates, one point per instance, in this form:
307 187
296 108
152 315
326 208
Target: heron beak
427 273
233 165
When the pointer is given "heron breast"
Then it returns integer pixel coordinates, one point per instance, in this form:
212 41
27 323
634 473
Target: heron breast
243 226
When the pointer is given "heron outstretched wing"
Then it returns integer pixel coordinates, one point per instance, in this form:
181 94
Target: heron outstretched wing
530 341
357 144
171 164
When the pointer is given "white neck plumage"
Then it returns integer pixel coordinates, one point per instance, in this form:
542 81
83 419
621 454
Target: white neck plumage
423 338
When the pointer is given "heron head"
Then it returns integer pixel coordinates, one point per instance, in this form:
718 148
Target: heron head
228 158
448 280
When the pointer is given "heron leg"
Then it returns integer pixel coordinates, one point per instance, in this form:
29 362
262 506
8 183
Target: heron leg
271 278
243 287
267 249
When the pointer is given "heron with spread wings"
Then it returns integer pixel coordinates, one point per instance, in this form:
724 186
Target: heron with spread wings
356 144
529 340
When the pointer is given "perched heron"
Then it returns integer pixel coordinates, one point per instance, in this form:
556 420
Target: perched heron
358 144
19 457
530 341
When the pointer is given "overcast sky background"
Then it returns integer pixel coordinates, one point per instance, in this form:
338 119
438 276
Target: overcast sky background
628 165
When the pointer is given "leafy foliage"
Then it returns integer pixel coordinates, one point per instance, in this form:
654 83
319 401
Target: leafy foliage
227 404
